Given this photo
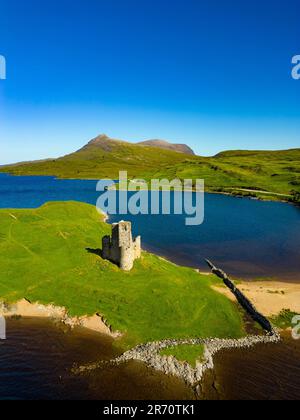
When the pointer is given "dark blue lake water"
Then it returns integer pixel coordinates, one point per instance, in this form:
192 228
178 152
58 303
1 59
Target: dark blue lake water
247 238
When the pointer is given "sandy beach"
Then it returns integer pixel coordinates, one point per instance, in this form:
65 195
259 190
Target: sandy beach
27 309
269 297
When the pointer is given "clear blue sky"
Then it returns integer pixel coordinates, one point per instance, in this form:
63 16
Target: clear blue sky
215 74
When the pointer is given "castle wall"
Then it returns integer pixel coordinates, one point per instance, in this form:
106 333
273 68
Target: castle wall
127 258
243 300
120 248
138 248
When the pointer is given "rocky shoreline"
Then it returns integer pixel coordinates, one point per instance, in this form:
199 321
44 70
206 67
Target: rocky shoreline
25 308
150 355
147 353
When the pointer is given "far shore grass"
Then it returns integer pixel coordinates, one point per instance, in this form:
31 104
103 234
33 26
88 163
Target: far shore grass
267 175
49 255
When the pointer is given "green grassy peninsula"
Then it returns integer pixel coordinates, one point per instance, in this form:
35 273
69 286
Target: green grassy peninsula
49 255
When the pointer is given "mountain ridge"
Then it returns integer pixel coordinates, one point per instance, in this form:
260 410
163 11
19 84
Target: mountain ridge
107 144
163 144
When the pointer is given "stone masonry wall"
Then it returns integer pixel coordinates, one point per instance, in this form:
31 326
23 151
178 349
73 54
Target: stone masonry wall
121 249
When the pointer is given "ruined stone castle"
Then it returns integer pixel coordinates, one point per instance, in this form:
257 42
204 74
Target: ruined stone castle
121 249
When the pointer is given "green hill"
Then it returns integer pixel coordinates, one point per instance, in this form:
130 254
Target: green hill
102 157
44 258
266 174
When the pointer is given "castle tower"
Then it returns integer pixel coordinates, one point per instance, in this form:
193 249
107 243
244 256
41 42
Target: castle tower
121 249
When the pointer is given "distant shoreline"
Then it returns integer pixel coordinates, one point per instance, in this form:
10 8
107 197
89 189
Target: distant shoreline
208 191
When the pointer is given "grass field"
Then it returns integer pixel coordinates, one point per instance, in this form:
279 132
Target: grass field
268 175
245 173
284 319
44 258
189 354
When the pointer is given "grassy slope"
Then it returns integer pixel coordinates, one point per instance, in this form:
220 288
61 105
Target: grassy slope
277 172
104 159
43 258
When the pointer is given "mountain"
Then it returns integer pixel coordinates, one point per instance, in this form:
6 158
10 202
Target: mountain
271 174
104 143
104 157
162 144
108 145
